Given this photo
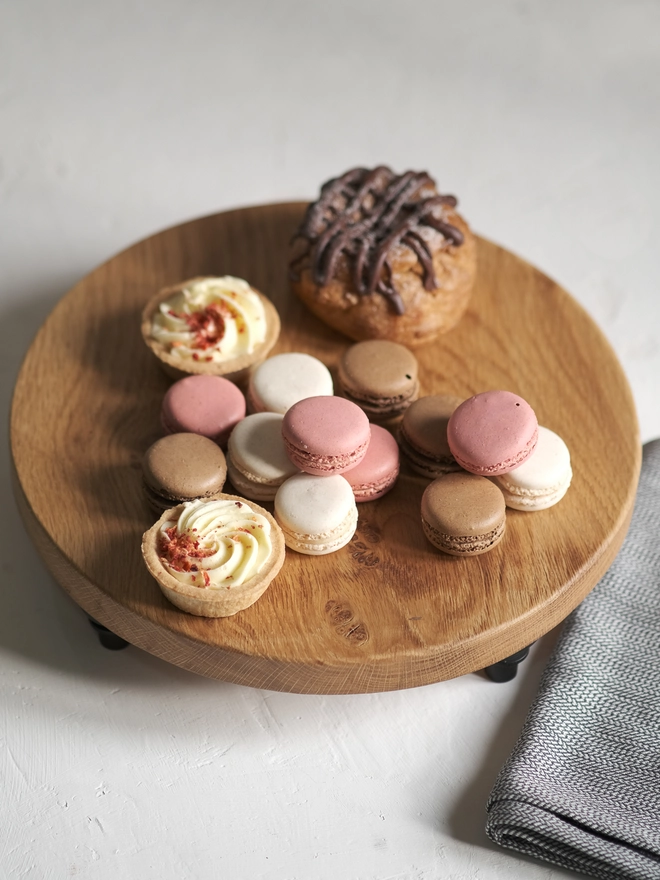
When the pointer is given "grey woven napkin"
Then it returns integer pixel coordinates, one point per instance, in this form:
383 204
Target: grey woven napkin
582 786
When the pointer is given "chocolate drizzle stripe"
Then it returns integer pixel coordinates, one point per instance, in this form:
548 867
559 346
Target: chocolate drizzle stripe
363 215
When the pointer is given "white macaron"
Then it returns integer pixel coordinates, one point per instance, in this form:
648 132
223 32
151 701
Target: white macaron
257 463
543 479
318 515
284 379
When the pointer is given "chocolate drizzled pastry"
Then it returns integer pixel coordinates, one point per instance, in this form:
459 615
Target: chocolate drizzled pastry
381 255
364 214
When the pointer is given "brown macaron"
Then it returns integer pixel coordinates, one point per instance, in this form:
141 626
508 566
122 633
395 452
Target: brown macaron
463 514
182 467
423 435
380 377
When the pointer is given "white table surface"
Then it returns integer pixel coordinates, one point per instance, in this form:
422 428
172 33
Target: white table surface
118 119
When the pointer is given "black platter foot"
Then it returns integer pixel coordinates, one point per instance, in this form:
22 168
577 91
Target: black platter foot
507 669
107 638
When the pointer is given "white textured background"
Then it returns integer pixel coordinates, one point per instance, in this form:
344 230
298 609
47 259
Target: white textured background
118 119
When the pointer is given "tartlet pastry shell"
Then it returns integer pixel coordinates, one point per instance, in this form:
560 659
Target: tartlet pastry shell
213 602
236 369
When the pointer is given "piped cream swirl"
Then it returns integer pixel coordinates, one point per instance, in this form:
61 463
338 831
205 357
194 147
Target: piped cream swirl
211 319
215 544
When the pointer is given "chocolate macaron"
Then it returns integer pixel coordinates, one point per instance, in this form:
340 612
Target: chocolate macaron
182 467
423 435
380 377
463 514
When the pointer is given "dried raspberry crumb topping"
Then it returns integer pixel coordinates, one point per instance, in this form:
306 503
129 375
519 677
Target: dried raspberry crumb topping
181 551
208 325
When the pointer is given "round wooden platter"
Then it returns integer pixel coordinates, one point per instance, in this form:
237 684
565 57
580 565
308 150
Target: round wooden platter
387 611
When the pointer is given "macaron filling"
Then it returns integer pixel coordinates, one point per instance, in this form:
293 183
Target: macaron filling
463 544
382 405
315 463
375 489
528 499
425 462
322 542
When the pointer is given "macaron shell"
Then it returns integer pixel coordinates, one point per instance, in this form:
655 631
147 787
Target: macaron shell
256 449
464 545
325 435
423 435
284 379
206 405
250 489
379 375
377 473
317 514
312 545
463 504
543 479
492 433
182 467
533 503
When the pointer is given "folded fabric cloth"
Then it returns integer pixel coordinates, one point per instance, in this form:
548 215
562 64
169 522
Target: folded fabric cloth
582 786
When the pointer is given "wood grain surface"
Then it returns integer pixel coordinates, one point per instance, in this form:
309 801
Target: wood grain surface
388 611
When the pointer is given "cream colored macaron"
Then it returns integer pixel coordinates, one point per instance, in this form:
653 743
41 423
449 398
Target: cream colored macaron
543 479
284 379
257 463
318 515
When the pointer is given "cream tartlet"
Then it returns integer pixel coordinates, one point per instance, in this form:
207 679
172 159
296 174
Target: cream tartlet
214 558
217 326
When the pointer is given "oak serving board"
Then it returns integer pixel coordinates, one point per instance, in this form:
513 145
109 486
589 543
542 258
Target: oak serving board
387 611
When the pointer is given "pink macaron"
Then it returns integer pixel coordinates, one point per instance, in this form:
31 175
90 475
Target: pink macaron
492 433
325 435
377 473
206 405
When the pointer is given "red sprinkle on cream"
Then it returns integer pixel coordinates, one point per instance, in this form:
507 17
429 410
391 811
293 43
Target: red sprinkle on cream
180 552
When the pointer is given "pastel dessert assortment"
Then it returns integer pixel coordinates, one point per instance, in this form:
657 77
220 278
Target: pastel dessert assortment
214 326
206 405
284 379
214 558
385 259
380 377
